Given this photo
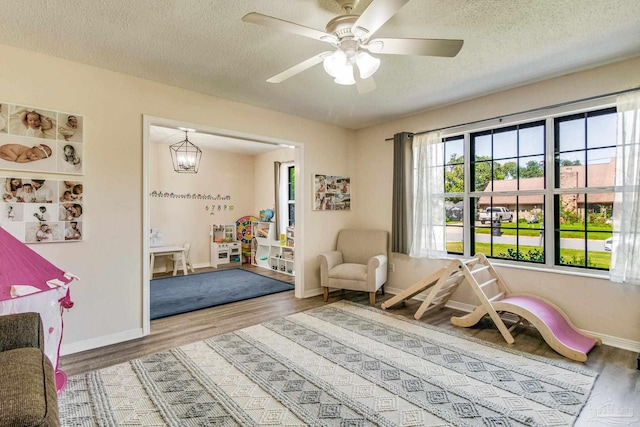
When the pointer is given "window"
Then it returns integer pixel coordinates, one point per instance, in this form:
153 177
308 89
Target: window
291 199
454 193
585 153
286 196
539 192
507 201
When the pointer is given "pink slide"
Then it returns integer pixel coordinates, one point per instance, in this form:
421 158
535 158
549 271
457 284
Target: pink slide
554 326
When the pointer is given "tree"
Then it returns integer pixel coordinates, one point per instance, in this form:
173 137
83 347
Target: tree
532 169
482 172
454 177
510 170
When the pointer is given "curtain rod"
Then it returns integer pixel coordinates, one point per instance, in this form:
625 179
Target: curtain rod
533 110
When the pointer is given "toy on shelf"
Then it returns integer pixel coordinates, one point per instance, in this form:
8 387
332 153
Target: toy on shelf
290 236
266 215
223 233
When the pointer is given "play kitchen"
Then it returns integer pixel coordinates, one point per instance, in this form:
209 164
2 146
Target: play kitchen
225 247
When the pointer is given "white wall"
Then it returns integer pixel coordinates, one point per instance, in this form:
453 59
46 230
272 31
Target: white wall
597 305
109 261
189 220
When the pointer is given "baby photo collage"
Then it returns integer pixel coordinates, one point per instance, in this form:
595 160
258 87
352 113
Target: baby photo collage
34 139
42 210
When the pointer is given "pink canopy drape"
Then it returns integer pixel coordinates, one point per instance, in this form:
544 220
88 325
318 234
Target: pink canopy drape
22 266
30 283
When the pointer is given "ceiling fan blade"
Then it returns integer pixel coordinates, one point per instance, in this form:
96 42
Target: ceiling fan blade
375 15
363 85
296 69
279 24
426 47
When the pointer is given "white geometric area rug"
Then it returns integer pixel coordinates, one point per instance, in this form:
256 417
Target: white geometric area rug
342 364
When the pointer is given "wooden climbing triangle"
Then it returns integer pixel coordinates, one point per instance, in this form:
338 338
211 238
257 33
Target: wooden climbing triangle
495 299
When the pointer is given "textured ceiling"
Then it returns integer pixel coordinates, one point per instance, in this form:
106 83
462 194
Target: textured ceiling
203 45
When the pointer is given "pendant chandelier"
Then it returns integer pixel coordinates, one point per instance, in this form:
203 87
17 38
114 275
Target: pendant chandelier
185 156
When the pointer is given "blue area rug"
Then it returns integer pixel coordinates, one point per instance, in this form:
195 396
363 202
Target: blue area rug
182 294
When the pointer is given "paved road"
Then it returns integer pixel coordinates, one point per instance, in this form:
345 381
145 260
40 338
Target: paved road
454 234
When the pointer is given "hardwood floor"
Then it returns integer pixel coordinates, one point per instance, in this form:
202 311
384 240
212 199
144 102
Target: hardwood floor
185 328
617 387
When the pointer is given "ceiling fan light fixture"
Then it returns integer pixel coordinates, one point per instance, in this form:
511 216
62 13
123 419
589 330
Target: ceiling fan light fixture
335 63
345 77
367 64
338 65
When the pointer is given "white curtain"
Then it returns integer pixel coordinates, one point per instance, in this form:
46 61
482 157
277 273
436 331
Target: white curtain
625 257
429 222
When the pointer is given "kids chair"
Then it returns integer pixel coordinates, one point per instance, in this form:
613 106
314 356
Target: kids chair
359 263
177 259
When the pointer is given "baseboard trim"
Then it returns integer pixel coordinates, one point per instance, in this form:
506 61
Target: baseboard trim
132 334
93 343
312 293
616 342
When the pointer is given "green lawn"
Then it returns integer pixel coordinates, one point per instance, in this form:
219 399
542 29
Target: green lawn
569 256
569 231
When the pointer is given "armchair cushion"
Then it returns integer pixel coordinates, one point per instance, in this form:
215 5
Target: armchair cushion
27 390
21 330
349 272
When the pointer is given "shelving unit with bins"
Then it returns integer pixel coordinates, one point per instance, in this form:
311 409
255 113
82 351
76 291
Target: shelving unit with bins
263 234
282 259
267 252
225 248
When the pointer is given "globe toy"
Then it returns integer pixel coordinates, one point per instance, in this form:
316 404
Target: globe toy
266 215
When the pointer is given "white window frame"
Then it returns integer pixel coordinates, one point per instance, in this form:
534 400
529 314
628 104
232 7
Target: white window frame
548 115
285 202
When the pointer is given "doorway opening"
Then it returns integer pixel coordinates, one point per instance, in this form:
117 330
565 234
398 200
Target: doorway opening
181 208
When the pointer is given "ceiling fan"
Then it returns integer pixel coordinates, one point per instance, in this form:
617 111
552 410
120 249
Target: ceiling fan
351 34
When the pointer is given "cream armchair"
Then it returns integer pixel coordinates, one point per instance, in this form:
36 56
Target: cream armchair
359 263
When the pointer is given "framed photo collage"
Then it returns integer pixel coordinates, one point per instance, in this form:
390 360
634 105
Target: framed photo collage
36 140
331 193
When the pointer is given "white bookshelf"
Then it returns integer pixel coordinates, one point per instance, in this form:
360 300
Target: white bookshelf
266 251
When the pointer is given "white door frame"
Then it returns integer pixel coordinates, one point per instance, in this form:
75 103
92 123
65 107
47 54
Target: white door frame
149 121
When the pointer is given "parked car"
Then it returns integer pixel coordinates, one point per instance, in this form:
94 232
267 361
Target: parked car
496 213
610 242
